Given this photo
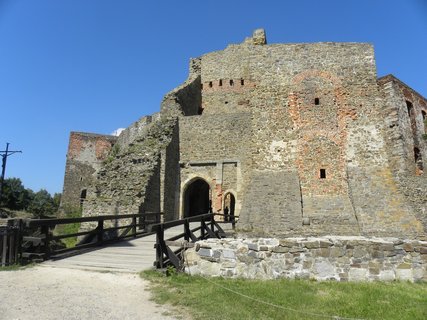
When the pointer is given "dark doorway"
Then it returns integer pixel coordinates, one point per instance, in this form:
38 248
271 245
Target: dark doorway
196 198
229 205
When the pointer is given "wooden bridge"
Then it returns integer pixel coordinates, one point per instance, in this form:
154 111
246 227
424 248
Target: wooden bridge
119 243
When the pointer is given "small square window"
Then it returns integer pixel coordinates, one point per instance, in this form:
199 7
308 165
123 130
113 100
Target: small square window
322 173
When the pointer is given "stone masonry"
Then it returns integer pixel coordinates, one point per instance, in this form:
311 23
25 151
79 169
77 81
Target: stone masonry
340 258
301 139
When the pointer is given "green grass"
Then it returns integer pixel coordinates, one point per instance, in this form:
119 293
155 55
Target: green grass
70 228
208 298
16 267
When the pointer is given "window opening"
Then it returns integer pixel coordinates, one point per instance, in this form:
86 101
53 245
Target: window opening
231 83
424 115
82 197
316 101
201 86
410 107
418 159
220 82
322 173
210 84
242 82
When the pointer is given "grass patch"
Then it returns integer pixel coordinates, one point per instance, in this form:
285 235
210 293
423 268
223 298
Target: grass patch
16 267
70 228
293 299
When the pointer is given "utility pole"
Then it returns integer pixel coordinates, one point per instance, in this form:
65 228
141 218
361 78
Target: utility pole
4 154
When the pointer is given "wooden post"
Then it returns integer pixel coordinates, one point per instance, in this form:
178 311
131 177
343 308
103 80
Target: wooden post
186 230
45 231
4 250
11 247
142 223
213 223
134 226
100 228
18 248
159 246
202 228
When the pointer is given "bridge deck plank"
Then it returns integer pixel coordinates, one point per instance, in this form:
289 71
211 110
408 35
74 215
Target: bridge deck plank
126 256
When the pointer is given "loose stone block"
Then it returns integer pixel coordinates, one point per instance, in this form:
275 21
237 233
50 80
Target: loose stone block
228 254
324 269
357 274
387 275
404 274
280 249
205 252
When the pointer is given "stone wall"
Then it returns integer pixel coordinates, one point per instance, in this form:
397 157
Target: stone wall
404 132
86 152
170 177
302 135
135 130
216 148
404 127
322 258
136 176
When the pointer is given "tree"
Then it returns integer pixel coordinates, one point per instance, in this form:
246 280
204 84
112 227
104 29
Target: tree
57 200
42 204
14 195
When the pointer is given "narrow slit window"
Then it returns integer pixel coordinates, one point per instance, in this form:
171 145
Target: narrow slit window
424 115
242 82
410 107
210 84
322 173
201 86
231 82
316 101
83 197
220 82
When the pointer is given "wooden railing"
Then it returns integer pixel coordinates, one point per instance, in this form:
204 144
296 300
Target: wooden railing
10 242
34 239
208 228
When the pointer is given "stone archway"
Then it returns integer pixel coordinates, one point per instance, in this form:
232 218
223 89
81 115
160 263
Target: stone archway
197 198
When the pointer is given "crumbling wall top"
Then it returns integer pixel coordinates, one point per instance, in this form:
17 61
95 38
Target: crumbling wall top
258 38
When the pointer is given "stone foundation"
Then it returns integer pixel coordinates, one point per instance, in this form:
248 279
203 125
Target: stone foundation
323 258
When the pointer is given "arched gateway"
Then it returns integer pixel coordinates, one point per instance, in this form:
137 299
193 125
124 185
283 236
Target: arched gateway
196 198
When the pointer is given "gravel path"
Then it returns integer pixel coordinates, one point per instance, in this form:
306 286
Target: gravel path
59 293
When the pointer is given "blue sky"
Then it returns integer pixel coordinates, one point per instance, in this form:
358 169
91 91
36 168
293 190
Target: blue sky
97 65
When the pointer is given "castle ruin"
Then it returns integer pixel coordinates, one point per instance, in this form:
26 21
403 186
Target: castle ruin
294 139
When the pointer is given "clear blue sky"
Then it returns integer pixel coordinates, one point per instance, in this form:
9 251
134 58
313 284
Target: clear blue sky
97 65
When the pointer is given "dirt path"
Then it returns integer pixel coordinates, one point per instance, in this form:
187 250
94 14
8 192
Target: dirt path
59 293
